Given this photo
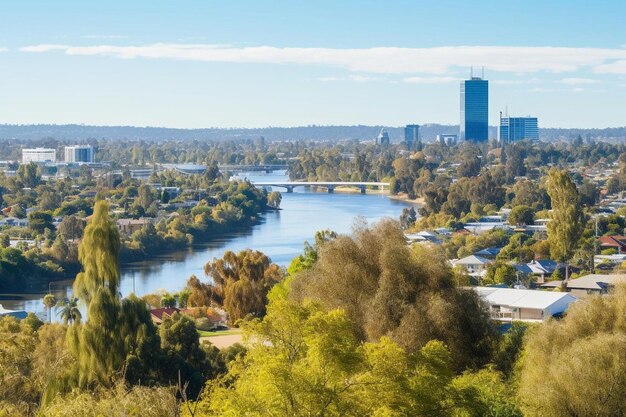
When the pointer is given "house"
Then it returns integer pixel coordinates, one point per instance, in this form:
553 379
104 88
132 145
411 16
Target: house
589 284
489 253
541 269
159 314
130 226
423 237
475 266
511 304
20 314
13 222
613 242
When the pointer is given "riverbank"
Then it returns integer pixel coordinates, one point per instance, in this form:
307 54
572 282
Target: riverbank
405 198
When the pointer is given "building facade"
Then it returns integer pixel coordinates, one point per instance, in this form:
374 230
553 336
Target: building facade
513 129
38 155
411 135
383 138
474 110
79 153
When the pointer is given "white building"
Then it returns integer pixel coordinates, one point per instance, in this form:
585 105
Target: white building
510 304
79 153
38 155
475 266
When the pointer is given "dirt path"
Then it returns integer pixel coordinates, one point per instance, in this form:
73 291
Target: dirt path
222 342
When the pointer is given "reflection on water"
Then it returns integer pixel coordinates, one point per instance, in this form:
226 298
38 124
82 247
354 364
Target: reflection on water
280 235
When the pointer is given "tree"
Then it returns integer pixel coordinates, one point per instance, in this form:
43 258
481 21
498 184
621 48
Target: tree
69 310
5 240
408 217
307 361
39 221
390 289
274 198
567 218
98 253
49 301
521 216
71 227
242 281
577 366
96 344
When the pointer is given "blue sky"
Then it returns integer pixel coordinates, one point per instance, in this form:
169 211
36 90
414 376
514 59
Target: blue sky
286 63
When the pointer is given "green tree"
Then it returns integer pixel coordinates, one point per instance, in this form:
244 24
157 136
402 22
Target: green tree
577 366
390 289
5 240
305 361
98 253
242 281
69 310
567 218
49 301
274 198
521 216
39 221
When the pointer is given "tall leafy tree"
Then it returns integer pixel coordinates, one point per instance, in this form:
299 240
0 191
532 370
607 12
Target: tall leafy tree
567 218
242 281
98 253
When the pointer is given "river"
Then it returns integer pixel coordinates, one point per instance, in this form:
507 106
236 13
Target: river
280 235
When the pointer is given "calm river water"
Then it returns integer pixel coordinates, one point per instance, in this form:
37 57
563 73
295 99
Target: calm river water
280 235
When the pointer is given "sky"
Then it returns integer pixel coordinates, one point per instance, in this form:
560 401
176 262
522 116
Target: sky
231 63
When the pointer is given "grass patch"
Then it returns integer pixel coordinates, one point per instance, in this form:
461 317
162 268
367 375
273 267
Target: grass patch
213 333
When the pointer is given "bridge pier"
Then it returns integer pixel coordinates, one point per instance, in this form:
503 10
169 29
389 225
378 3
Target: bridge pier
331 189
363 187
290 189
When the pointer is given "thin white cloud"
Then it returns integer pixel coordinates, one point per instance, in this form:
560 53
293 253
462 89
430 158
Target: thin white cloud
3 49
361 78
578 81
616 67
430 80
328 79
381 60
105 37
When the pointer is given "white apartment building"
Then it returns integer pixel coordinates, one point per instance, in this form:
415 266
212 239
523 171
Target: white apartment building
38 155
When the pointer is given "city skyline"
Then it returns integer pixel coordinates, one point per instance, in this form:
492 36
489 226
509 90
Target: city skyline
211 65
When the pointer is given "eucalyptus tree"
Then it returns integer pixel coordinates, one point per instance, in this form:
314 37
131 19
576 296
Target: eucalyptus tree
567 218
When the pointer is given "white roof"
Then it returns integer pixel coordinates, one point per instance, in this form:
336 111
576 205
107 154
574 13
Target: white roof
471 260
513 297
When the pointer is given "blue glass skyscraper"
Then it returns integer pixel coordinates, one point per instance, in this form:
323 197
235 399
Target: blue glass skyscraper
513 129
474 110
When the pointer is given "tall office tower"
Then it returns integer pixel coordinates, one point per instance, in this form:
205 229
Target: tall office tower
383 138
513 129
474 110
79 153
38 155
411 135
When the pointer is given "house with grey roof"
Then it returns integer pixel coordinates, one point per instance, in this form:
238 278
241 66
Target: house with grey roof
589 284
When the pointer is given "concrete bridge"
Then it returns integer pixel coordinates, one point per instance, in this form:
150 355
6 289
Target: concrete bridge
329 185
252 168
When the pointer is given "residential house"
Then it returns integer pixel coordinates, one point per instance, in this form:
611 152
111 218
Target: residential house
475 266
488 253
511 304
613 242
159 314
589 284
542 269
20 314
130 226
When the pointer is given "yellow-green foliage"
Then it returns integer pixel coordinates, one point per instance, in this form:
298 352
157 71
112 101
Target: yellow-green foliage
577 366
305 361
118 401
